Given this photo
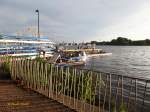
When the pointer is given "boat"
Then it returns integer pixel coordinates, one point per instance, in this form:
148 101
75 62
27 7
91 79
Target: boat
68 58
26 46
72 55
90 52
76 57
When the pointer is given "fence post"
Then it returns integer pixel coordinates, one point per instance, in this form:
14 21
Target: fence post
109 92
105 94
145 89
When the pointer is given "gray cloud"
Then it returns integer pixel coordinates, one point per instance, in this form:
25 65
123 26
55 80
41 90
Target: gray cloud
68 20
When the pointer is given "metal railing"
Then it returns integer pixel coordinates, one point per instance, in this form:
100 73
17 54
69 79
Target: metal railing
84 90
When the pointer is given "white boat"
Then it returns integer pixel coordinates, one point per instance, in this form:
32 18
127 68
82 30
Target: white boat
26 46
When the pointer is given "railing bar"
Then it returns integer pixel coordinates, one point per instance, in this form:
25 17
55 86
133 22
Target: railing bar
33 70
82 97
56 81
78 90
95 92
68 77
135 94
100 79
48 81
143 104
46 75
129 95
105 94
30 72
65 85
27 73
122 89
62 75
43 78
71 85
109 92
116 98
51 81
40 70
75 76
40 76
91 91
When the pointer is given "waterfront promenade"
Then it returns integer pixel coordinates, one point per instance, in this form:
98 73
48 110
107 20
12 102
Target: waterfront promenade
14 98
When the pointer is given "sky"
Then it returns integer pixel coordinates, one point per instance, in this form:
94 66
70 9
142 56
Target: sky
78 20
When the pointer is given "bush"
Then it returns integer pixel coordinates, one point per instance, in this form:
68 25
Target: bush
5 67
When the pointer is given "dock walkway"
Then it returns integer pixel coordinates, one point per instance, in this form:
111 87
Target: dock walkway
17 99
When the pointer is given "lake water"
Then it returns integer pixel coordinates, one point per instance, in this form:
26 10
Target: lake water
125 60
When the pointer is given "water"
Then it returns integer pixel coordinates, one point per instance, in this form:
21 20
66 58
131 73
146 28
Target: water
125 60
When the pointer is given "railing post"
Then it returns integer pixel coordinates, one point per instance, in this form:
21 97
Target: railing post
116 98
100 83
75 83
105 93
144 95
129 95
122 89
95 90
109 92
135 94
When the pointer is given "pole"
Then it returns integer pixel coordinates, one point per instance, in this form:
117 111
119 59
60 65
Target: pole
37 11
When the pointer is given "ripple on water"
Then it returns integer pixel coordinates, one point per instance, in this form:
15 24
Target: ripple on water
126 60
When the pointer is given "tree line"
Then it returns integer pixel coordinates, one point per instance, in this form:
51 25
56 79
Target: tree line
123 41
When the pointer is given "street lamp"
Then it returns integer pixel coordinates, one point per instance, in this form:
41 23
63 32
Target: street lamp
37 11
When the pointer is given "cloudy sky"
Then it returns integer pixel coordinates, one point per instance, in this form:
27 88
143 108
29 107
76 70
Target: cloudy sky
78 20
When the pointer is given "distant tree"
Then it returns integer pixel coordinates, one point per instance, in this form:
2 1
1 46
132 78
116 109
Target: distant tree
123 41
147 42
139 42
93 42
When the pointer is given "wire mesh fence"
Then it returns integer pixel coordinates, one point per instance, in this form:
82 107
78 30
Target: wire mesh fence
83 90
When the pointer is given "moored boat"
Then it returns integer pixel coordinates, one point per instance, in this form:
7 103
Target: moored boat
90 52
68 58
25 46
